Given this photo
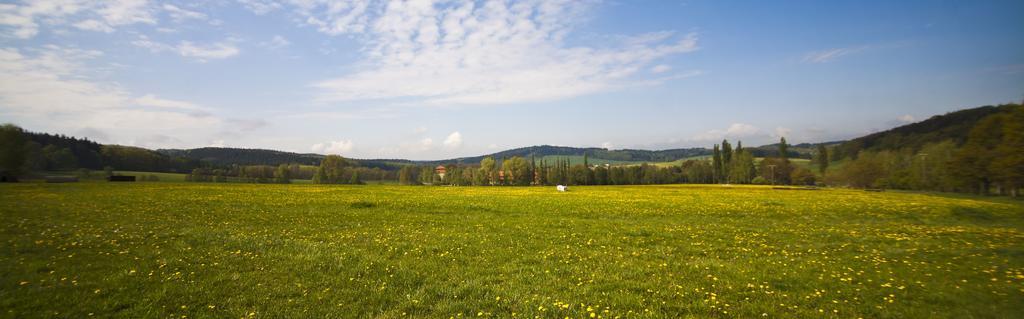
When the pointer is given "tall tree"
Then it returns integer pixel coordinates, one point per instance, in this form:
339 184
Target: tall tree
727 156
331 170
12 151
1008 166
742 169
726 152
487 169
534 175
821 159
355 180
542 173
783 149
716 164
282 175
973 163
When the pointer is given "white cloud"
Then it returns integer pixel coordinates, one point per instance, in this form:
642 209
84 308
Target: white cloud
420 130
782 132
740 129
25 19
94 25
276 42
152 101
829 55
607 145
735 130
260 7
123 12
178 14
905 119
333 147
217 50
52 88
660 68
480 53
453 140
336 17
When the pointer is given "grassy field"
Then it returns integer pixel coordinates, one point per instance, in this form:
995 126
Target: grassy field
241 250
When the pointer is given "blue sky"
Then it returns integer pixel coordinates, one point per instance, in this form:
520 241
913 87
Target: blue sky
442 79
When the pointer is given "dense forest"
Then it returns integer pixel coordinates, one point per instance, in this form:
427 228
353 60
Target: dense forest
224 156
726 165
592 152
953 127
978 150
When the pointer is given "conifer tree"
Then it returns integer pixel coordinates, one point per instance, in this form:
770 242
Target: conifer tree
821 158
716 164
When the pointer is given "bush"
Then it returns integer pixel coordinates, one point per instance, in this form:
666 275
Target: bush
802 176
760 180
83 173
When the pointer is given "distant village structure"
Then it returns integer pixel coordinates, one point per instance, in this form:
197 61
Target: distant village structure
440 170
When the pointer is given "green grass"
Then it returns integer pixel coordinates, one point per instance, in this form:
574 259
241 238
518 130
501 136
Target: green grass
163 177
241 250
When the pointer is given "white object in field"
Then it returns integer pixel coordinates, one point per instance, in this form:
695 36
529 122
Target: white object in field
562 188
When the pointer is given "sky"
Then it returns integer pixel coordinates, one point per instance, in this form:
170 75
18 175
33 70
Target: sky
444 79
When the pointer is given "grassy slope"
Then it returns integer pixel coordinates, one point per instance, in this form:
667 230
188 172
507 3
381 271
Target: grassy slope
578 159
209 250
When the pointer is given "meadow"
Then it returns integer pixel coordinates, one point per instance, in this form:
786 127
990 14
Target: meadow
267 251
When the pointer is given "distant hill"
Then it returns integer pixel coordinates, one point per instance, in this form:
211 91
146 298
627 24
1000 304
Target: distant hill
613 156
51 151
950 126
244 156
223 156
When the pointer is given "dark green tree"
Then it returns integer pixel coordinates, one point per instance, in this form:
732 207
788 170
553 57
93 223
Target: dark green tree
331 170
972 165
12 152
716 164
355 180
282 175
1008 166
821 159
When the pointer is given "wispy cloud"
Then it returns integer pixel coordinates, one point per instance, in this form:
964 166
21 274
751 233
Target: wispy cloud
202 52
829 55
333 147
276 42
179 14
480 53
260 7
735 130
53 87
151 100
23 20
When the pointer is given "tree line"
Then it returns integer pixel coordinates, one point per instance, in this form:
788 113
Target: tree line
333 169
978 151
725 165
24 153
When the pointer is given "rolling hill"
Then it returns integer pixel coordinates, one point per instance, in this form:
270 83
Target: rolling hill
88 154
950 126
